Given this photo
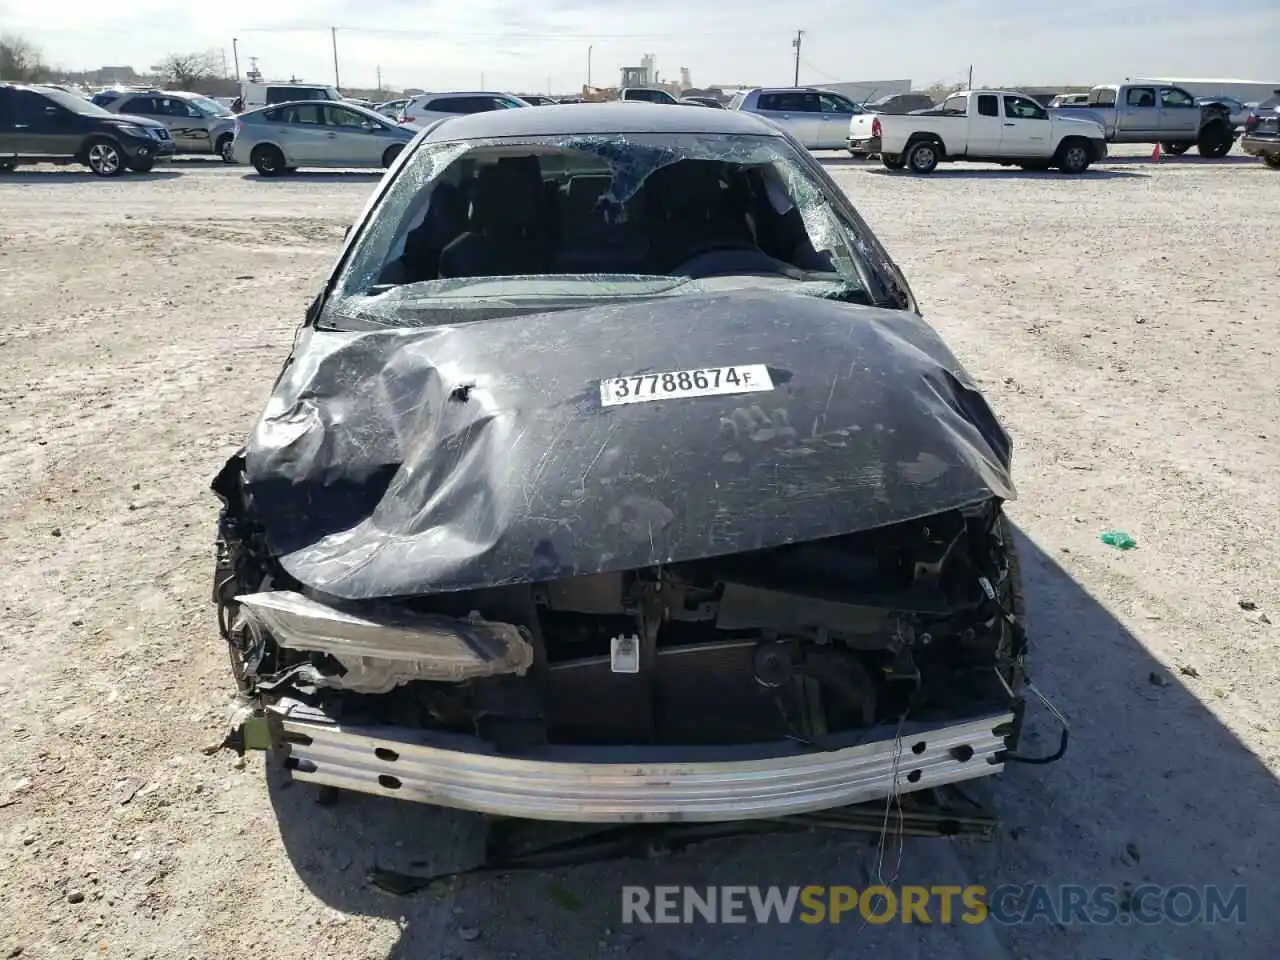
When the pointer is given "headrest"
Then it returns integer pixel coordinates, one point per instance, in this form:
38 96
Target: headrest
685 189
504 199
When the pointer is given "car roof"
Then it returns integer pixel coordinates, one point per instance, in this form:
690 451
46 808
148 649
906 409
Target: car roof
462 93
585 119
357 107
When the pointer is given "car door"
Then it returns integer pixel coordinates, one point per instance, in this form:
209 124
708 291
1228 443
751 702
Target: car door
351 140
42 128
795 111
1179 115
1026 130
188 126
986 125
834 114
304 134
1138 117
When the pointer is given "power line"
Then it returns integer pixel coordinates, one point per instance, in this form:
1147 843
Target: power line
821 73
509 35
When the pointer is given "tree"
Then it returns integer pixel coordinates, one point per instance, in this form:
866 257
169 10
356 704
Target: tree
184 70
19 60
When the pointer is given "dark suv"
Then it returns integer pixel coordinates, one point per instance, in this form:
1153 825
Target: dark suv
47 125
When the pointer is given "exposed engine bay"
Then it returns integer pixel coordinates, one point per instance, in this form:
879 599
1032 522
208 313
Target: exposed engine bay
796 642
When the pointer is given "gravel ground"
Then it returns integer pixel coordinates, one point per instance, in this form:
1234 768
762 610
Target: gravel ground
1117 324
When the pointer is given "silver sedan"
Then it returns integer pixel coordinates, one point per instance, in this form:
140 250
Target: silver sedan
283 137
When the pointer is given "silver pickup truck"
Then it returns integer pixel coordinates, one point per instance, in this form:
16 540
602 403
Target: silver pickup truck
1157 113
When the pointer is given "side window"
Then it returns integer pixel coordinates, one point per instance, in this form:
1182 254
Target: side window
1176 99
769 101
955 105
143 105
1102 97
830 103
278 95
307 115
341 117
447 105
806 103
738 99
1020 108
1140 97
30 108
988 105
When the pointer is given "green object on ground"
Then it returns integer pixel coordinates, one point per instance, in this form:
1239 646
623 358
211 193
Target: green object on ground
1118 539
257 736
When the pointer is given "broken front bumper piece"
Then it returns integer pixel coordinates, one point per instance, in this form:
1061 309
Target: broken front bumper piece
635 784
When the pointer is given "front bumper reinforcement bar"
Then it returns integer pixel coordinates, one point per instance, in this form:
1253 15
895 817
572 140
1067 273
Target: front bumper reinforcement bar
635 785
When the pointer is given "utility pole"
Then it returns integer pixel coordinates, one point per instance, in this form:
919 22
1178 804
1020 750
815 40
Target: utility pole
796 43
971 76
379 80
235 52
589 46
333 35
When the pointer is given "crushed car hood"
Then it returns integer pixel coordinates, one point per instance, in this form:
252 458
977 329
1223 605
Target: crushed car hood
417 460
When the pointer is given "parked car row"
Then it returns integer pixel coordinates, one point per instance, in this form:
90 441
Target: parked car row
321 129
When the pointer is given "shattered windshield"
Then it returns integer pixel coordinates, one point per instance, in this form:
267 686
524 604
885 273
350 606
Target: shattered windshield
476 229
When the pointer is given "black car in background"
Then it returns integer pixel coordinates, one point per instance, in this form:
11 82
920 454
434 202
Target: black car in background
47 125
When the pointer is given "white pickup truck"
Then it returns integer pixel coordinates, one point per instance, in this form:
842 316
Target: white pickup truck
990 126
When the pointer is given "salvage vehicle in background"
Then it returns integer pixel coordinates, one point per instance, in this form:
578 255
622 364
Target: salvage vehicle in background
43 125
646 95
428 107
282 138
640 493
819 119
1262 133
990 126
1068 99
899 103
196 123
1157 113
392 108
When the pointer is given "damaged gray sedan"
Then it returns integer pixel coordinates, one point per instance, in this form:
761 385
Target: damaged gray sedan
615 477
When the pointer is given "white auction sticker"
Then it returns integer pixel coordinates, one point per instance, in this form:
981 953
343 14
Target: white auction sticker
683 384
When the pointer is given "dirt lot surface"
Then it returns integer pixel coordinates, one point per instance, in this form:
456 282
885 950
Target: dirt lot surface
1120 325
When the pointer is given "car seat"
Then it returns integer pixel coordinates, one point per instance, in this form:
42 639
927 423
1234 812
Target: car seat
508 233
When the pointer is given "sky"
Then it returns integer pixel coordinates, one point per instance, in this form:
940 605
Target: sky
536 47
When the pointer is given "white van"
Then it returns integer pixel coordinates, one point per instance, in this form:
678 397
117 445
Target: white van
264 94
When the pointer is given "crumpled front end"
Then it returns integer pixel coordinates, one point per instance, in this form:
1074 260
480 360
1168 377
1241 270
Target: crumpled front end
755 685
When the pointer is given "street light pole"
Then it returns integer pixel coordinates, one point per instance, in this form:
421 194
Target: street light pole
589 46
796 43
333 35
235 53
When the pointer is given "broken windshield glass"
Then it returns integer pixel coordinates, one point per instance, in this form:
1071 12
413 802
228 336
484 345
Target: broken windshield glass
473 225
